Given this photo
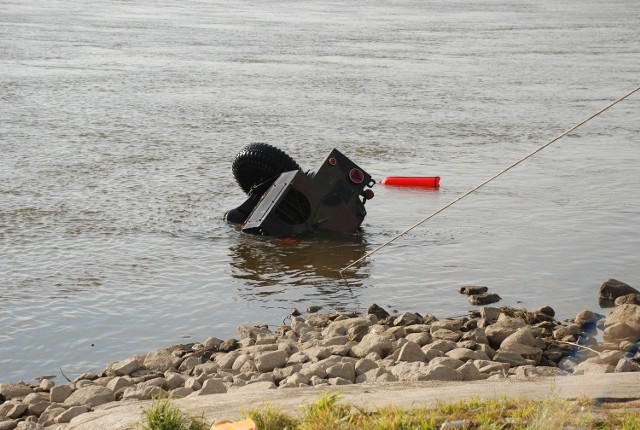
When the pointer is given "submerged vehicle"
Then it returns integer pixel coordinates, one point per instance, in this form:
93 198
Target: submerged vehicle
285 201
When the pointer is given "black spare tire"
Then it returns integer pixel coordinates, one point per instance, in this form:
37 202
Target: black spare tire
258 163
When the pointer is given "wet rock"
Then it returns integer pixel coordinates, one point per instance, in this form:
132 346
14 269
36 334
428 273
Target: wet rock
611 289
379 312
629 299
313 309
90 396
471 290
10 390
484 299
586 320
548 311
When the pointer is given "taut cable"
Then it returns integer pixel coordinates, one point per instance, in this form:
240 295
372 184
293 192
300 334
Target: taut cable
531 154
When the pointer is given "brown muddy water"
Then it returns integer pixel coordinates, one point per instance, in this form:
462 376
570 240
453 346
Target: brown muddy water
119 122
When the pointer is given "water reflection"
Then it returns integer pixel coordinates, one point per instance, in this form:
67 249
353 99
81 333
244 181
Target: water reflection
298 269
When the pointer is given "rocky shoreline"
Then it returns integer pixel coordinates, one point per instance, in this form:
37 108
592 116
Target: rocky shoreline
340 349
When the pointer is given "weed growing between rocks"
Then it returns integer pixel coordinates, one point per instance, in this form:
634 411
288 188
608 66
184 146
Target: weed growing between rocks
162 415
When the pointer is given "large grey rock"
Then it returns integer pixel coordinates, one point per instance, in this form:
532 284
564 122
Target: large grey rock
212 386
268 361
28 425
372 343
364 365
126 367
611 289
470 372
442 373
342 370
10 390
118 383
446 361
629 299
225 360
522 336
441 345
524 351
48 417
628 314
586 319
90 396
8 425
503 328
564 331
512 358
466 354
174 380
422 338
529 371
591 366
446 334
341 328
410 352
255 332
621 331
161 360
47 384
71 413
295 380
60 393
146 393
406 371
407 318
13 410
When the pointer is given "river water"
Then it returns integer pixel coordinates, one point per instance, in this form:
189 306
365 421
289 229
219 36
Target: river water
119 122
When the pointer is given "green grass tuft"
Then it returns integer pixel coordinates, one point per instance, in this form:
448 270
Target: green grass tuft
162 415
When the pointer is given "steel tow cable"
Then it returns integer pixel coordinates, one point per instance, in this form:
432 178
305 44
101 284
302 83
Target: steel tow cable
477 187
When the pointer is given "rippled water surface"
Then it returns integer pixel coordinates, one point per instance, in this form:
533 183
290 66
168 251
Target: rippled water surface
119 122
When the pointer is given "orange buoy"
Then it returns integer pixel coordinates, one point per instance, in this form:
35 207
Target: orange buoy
412 181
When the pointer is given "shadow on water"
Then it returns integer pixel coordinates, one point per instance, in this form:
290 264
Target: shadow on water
297 270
